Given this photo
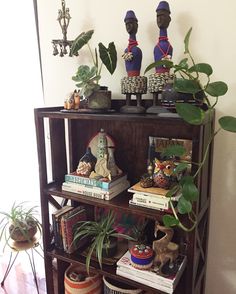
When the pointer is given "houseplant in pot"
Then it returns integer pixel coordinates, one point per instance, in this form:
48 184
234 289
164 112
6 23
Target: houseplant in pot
102 236
19 224
191 78
87 78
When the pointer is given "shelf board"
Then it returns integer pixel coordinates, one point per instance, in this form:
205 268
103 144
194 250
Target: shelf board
107 270
120 202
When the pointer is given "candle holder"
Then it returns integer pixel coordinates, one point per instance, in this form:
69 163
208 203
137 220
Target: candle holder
63 46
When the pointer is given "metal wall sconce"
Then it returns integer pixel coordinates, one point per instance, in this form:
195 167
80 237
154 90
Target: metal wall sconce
62 47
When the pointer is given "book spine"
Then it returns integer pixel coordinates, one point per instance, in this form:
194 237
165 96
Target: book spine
131 202
93 194
94 183
157 202
140 280
145 275
118 187
86 181
122 188
69 225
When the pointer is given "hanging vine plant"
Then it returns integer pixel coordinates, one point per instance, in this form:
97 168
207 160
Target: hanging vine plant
191 78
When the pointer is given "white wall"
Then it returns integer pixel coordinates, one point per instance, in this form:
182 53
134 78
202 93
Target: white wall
213 41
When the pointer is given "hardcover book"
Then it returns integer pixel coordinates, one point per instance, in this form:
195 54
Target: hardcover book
151 277
100 183
68 222
94 192
158 144
56 223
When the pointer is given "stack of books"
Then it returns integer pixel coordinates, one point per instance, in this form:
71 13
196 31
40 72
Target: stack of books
64 221
98 188
153 197
150 277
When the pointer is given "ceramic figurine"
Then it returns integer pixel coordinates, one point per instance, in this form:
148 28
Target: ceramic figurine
163 176
111 164
86 164
165 249
133 84
102 150
162 50
72 101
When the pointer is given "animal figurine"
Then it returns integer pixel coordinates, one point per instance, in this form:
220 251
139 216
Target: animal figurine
163 176
72 101
164 249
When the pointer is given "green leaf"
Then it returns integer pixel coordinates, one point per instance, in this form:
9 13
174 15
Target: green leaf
187 86
228 123
183 63
190 113
186 41
80 41
169 221
180 167
184 206
202 68
173 150
173 191
166 63
190 191
217 89
108 56
186 179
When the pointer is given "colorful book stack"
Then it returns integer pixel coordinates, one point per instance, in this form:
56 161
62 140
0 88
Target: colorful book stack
100 188
150 277
64 220
153 197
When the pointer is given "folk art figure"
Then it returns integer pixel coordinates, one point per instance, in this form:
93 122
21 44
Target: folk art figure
164 249
162 50
133 84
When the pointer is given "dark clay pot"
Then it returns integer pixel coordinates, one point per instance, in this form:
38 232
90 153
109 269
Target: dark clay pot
100 99
111 250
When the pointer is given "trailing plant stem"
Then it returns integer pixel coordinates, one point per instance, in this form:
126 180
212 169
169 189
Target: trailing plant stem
180 224
206 153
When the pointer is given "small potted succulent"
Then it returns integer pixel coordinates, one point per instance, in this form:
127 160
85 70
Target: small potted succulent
102 236
87 78
19 224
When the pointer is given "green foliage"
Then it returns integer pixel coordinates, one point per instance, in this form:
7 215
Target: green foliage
192 78
88 79
99 233
21 218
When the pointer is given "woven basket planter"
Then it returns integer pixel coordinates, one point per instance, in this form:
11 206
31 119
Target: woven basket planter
110 287
92 284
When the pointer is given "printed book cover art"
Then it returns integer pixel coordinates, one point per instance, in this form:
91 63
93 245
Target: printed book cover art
158 144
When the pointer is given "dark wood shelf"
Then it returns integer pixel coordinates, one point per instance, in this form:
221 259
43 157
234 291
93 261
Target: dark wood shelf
119 203
67 134
107 270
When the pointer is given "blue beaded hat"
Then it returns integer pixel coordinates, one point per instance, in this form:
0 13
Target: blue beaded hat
163 5
130 15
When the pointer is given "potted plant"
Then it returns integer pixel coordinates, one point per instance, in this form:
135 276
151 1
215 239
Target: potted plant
87 78
102 236
192 78
19 224
138 234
